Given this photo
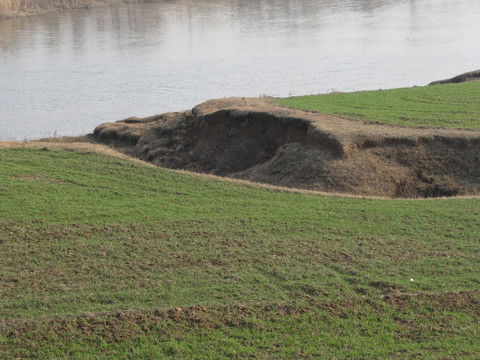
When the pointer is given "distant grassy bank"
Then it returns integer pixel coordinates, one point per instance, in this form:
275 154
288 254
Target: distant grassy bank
450 105
103 258
10 8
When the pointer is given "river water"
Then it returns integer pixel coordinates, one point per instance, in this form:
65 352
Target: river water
64 73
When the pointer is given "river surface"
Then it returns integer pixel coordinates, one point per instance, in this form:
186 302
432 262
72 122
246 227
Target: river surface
64 73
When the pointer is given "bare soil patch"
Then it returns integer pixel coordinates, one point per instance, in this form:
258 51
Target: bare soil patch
257 140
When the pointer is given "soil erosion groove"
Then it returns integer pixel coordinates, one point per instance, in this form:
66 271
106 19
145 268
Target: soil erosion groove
257 140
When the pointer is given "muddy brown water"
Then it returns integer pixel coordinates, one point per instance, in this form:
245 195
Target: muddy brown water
64 73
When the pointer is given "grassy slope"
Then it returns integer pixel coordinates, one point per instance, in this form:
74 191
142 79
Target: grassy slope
102 257
451 105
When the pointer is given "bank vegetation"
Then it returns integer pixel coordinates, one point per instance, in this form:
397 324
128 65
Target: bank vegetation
12 8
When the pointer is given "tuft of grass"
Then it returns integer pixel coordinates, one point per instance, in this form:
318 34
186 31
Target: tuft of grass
448 106
102 257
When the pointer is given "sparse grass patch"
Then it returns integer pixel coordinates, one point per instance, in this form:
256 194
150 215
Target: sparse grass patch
449 105
102 257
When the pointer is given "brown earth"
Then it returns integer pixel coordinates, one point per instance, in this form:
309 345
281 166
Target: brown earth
468 76
256 140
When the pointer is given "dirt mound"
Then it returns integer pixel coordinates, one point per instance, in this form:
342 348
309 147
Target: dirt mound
469 76
254 139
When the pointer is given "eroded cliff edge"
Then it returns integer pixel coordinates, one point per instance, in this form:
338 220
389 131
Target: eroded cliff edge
257 140
465 77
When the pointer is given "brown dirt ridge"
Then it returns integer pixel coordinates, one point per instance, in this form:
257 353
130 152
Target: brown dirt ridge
465 77
256 140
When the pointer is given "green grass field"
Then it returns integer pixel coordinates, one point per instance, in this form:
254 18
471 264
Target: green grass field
449 106
105 258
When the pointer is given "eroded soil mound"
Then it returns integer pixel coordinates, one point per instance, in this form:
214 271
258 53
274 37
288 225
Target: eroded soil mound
468 76
254 139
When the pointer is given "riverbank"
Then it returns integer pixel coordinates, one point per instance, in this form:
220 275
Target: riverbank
261 140
258 140
12 8
465 77
107 256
